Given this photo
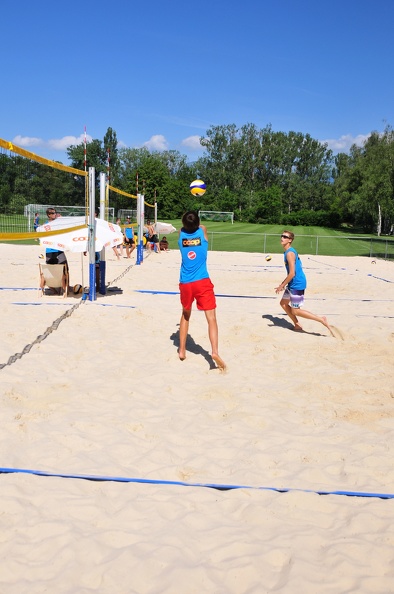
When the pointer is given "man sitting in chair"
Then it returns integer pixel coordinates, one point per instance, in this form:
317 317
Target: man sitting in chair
54 279
54 256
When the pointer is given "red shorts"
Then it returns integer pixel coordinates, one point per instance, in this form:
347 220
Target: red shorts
201 291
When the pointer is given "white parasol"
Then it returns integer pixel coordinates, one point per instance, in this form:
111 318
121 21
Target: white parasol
107 235
161 228
164 228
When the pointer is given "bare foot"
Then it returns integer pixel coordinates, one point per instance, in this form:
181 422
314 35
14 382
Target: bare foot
219 362
327 325
297 327
182 356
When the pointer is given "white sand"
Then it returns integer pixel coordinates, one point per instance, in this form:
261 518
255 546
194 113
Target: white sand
105 394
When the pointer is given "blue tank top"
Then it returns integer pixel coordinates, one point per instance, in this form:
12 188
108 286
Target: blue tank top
194 251
50 250
298 282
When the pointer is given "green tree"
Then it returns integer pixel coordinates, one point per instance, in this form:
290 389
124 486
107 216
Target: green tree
364 182
95 156
376 191
112 157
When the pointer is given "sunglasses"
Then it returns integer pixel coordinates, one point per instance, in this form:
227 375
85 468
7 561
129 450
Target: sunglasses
285 237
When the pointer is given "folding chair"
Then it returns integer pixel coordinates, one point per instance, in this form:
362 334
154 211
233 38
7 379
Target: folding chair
54 276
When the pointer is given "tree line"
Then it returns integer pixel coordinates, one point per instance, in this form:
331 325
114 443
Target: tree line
263 176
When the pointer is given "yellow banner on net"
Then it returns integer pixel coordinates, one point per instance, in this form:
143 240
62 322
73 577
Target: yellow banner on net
9 146
121 192
37 234
128 195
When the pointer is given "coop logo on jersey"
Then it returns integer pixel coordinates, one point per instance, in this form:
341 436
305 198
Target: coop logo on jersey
192 255
191 242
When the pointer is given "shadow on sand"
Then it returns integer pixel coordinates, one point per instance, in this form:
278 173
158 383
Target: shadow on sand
194 348
283 323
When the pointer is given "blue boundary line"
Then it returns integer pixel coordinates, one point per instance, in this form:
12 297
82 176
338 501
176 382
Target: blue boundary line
219 487
157 292
380 278
342 268
65 303
216 294
135 307
94 303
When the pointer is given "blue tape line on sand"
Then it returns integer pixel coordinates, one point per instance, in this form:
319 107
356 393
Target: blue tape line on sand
114 305
263 296
64 303
219 487
18 288
380 278
158 292
216 294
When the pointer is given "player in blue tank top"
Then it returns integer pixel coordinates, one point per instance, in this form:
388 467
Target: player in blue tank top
294 286
195 284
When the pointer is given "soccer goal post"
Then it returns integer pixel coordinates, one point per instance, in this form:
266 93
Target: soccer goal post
216 215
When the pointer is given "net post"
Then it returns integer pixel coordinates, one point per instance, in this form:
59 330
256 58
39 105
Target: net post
140 223
91 236
102 263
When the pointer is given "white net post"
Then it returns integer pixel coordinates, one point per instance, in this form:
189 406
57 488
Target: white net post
140 222
102 263
91 236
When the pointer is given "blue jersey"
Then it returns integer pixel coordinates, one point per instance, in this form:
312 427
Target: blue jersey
50 250
298 282
194 251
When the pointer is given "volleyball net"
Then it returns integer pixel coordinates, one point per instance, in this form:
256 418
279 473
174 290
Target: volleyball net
128 206
29 184
26 179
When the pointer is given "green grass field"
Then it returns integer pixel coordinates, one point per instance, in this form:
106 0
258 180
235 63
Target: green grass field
249 237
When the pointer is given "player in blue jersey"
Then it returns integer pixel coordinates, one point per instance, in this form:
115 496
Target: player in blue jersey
195 284
294 286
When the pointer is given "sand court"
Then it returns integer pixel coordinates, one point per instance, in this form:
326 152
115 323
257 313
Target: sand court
105 395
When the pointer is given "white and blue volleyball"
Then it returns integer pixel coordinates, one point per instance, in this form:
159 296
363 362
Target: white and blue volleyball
198 187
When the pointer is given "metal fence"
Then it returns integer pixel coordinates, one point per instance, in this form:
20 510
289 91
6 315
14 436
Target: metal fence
323 245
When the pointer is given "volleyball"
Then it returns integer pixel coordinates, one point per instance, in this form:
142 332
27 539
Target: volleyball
77 289
197 187
268 258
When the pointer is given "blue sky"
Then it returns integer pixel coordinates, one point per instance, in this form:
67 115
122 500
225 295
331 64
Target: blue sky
161 73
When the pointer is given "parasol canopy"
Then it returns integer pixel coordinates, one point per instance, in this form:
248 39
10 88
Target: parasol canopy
161 228
107 235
